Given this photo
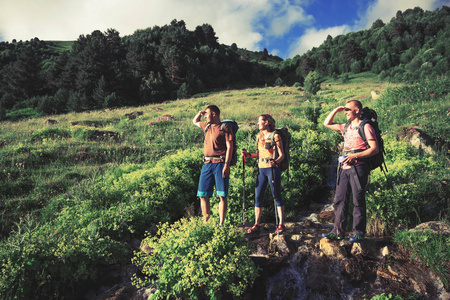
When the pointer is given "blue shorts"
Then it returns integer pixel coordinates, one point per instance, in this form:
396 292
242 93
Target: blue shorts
264 177
212 174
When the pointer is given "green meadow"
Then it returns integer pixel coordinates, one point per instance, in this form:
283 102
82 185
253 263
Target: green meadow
76 192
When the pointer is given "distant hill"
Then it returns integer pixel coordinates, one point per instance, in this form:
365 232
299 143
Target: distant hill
414 45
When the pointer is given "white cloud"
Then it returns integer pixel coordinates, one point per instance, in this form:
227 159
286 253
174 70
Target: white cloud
314 38
387 9
234 21
288 17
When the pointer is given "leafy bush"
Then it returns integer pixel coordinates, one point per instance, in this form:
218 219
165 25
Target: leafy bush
191 259
49 261
81 229
22 114
312 82
414 186
386 297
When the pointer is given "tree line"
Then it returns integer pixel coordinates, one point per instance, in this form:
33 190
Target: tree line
415 44
105 70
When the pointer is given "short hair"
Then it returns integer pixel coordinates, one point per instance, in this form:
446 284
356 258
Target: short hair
357 103
267 117
213 108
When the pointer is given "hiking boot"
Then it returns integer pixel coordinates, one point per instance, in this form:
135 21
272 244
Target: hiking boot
356 238
331 236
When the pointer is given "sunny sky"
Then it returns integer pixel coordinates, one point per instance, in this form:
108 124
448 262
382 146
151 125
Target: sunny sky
284 27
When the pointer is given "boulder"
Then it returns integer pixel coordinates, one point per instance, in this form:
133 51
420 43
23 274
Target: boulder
326 217
418 139
332 249
50 122
375 95
435 227
133 115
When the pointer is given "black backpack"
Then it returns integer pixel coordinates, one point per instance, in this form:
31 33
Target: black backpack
234 127
286 140
369 116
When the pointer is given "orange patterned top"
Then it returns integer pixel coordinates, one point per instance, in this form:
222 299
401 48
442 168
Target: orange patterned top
263 152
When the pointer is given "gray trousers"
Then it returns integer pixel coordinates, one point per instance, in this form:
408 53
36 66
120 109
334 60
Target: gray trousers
346 185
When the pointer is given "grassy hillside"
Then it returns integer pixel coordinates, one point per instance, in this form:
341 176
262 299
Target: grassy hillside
61 46
75 192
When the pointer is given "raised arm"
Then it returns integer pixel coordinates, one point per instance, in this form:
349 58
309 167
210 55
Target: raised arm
197 117
329 119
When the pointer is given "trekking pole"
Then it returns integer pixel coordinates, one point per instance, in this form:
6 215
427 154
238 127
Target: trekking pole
243 188
274 199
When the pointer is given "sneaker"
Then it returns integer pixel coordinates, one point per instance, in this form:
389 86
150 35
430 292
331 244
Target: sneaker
331 236
356 238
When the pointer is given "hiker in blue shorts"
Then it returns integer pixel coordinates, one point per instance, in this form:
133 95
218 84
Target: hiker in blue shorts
353 173
218 147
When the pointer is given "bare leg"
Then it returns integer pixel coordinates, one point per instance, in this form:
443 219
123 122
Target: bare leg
223 205
258 212
206 208
281 214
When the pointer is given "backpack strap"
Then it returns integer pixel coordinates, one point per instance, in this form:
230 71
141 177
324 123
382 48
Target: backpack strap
207 127
272 138
362 133
346 127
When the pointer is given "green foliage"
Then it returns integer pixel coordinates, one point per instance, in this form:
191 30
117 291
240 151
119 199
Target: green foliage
312 82
432 249
414 184
98 194
50 133
279 82
345 78
386 297
44 262
410 106
184 91
191 260
21 114
413 46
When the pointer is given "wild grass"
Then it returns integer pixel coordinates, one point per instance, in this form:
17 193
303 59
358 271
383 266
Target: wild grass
430 248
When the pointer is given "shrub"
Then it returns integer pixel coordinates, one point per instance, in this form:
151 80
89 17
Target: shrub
21 114
191 259
413 188
345 77
279 82
312 82
386 297
52 260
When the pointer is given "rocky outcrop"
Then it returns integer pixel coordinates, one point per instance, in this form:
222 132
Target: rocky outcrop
419 139
50 122
325 269
133 115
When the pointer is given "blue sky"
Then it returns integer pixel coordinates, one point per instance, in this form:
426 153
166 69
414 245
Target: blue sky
284 27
